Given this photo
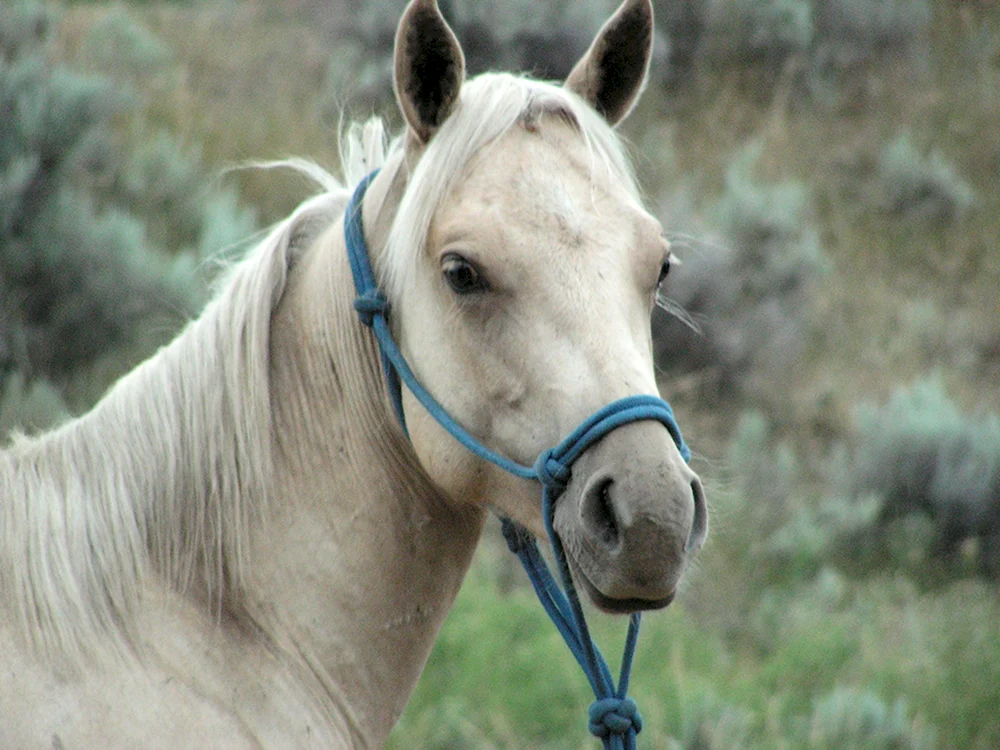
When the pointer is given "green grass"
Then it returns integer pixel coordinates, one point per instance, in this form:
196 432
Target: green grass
500 677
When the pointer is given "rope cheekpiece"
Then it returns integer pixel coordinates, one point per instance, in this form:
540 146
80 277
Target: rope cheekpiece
614 717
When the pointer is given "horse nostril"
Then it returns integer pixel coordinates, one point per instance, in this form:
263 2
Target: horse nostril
598 512
699 526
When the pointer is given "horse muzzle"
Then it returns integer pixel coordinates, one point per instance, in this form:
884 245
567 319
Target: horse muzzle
632 517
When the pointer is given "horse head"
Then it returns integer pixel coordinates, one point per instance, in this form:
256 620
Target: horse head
522 270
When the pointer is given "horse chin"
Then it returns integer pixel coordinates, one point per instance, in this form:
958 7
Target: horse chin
615 605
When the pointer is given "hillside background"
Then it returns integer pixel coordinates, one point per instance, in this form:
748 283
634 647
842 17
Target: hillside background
829 171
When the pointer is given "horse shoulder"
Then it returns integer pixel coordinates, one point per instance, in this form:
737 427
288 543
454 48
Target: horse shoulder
184 690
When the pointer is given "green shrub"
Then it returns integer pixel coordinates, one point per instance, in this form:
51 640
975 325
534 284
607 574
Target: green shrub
851 32
116 41
24 26
749 291
937 472
28 407
102 226
711 723
829 50
791 535
748 552
852 718
757 32
853 41
163 182
683 22
88 283
913 185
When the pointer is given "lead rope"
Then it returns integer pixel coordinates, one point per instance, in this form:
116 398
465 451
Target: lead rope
614 717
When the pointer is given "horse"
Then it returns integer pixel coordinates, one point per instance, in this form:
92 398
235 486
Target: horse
240 545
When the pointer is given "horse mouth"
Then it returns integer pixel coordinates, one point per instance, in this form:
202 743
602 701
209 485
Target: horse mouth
617 605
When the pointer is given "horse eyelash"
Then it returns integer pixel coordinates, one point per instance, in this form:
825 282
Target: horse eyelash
676 310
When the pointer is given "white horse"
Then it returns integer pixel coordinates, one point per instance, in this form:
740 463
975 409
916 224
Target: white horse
239 546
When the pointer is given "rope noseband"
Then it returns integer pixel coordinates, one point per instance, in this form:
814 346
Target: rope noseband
614 717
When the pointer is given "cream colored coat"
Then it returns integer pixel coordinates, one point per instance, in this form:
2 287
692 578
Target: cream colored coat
238 547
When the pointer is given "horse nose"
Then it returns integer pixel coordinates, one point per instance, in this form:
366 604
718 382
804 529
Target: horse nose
611 519
600 514
631 519
646 534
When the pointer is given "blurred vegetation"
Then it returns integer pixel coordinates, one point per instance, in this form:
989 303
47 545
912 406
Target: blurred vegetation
828 173
103 220
743 296
937 473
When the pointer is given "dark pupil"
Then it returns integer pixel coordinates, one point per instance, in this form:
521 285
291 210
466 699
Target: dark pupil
664 270
462 276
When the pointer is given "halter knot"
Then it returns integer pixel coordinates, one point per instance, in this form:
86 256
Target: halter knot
370 303
614 716
551 472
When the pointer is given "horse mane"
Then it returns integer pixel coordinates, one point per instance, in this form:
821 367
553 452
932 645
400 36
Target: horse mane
173 466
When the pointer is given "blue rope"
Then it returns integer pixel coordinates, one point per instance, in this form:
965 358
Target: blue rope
614 717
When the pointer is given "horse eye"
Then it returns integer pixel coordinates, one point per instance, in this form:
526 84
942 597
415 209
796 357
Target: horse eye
461 275
664 271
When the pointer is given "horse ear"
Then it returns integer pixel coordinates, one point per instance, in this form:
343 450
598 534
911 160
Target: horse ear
429 68
613 72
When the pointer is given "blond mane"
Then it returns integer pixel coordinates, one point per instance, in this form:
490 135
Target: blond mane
167 472
173 467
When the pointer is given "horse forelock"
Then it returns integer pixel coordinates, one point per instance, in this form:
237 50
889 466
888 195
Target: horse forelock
491 105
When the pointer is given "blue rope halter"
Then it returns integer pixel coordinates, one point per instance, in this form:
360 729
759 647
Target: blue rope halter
614 716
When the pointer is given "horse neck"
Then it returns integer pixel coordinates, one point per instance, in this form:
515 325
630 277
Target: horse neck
165 475
362 557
